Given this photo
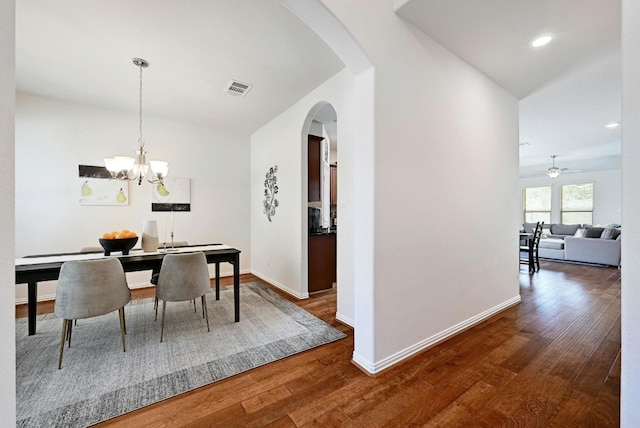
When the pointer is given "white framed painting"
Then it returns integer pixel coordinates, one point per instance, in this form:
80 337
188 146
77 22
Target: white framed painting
174 194
97 187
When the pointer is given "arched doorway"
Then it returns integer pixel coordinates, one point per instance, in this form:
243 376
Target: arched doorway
319 210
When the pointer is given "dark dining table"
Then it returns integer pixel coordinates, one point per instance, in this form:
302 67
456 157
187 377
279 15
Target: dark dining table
46 267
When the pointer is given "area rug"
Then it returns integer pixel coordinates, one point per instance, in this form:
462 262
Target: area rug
98 381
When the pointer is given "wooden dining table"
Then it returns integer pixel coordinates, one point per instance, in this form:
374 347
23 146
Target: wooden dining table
46 267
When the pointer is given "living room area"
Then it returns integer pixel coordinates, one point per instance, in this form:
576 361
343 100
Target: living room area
580 216
570 163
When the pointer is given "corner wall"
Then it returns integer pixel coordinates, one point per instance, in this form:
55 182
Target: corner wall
630 387
7 269
446 188
46 199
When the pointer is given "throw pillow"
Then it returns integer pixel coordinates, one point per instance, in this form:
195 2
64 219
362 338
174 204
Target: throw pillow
593 232
579 233
564 229
610 233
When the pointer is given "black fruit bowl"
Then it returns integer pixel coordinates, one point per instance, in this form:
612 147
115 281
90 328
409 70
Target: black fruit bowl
123 245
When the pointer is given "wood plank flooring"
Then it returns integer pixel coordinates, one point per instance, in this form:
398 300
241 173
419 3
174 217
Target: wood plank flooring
552 361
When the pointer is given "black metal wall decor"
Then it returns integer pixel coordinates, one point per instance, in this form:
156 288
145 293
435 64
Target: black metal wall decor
271 190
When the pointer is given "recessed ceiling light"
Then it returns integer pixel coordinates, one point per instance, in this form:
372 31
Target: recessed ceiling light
612 125
542 40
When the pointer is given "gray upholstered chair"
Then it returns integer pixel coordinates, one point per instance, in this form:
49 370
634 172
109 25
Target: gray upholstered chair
163 245
90 288
183 276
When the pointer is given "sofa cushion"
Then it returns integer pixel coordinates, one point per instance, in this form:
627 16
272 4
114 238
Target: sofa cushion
564 229
610 233
554 244
593 232
529 227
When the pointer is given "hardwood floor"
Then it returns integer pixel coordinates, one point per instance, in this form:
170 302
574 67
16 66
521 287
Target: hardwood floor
553 360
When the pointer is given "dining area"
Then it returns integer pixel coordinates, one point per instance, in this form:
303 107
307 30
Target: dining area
33 269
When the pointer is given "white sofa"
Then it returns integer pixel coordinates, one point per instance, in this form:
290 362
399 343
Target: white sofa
579 249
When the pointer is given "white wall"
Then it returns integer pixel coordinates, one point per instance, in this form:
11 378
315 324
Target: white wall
630 388
607 192
446 169
53 137
279 247
7 273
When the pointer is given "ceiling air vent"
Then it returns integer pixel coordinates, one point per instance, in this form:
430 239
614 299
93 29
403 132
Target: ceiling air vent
237 89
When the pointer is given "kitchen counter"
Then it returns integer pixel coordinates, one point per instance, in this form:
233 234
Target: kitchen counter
328 232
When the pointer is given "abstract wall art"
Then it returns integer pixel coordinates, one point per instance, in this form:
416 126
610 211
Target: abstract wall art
174 194
271 190
96 187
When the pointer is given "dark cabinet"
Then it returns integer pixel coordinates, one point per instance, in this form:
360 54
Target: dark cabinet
314 167
333 177
322 261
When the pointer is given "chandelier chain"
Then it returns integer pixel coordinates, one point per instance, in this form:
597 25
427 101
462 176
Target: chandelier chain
140 140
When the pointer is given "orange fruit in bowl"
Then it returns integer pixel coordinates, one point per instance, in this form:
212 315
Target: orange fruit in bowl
123 234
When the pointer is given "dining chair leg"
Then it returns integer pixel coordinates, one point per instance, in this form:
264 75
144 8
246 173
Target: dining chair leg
124 321
155 306
122 328
62 340
70 330
194 307
532 265
164 307
204 309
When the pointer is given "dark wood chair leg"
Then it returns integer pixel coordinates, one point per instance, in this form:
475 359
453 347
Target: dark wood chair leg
122 328
204 309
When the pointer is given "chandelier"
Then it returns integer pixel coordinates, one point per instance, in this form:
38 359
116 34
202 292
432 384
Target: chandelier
127 168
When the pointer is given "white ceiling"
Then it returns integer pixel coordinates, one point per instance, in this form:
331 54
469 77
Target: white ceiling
568 89
82 51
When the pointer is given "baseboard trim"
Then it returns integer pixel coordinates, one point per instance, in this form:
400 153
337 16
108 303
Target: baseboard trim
374 368
280 286
48 297
345 320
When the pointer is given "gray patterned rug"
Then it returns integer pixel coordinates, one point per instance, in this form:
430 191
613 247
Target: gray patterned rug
98 381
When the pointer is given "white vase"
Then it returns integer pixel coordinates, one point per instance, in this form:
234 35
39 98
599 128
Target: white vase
150 240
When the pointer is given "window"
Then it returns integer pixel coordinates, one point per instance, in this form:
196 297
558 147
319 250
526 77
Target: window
577 204
537 204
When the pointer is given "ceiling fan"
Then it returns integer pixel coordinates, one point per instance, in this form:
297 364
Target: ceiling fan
553 171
